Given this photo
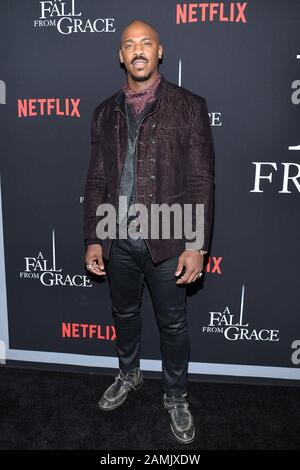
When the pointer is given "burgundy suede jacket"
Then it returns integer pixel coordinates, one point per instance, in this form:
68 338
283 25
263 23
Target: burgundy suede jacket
175 162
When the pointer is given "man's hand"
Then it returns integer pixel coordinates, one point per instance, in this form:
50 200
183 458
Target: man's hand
93 259
192 260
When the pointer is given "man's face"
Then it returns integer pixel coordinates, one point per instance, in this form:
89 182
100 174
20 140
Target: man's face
140 51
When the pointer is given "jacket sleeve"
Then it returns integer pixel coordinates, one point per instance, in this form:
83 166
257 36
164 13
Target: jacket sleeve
200 172
94 185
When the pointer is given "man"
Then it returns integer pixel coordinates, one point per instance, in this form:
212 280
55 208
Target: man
152 144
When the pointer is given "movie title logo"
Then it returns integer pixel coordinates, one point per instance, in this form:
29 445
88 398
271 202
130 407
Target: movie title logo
67 19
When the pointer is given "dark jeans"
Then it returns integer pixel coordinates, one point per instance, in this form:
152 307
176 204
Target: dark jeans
128 266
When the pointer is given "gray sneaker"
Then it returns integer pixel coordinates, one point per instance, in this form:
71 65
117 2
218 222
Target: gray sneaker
116 394
181 420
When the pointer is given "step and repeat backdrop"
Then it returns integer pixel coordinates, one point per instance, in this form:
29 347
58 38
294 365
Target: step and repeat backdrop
59 60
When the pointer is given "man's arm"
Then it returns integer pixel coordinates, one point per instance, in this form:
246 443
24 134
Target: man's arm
95 184
93 196
200 171
200 182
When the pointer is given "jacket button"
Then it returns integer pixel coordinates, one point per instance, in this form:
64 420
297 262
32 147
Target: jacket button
116 126
152 177
150 195
152 159
108 195
153 141
153 125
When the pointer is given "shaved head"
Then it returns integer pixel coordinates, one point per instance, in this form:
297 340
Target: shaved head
140 52
136 25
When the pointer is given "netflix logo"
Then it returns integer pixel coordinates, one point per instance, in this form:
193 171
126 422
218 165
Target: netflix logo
88 331
33 107
231 12
214 265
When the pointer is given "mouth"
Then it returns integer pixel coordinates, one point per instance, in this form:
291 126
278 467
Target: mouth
139 63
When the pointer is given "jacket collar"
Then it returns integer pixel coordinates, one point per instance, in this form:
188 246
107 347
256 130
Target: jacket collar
120 97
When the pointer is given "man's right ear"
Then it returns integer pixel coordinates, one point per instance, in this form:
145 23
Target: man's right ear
121 57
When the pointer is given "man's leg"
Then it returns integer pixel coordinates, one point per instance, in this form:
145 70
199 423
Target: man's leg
125 278
126 281
169 301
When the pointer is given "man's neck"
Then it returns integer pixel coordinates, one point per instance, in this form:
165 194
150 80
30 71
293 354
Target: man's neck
141 86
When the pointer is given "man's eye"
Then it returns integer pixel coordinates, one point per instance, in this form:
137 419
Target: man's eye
148 43
128 45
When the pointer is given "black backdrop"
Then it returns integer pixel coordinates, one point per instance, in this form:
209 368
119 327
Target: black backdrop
244 317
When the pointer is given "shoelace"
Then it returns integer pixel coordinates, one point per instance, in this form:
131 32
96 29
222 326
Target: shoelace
177 402
125 378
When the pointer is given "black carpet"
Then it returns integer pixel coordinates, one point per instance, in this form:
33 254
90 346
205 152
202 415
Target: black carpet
56 410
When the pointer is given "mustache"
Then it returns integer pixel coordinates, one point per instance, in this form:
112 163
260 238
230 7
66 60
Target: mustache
139 58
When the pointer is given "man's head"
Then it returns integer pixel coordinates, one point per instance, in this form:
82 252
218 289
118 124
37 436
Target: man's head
140 50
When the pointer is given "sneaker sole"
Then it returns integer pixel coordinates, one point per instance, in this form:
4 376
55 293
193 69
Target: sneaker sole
180 440
113 407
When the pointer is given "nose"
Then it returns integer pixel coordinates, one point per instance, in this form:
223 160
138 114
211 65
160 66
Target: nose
138 50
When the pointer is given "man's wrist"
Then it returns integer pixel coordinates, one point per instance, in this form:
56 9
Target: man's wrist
202 252
92 241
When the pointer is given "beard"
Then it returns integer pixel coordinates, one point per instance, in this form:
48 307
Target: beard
141 79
